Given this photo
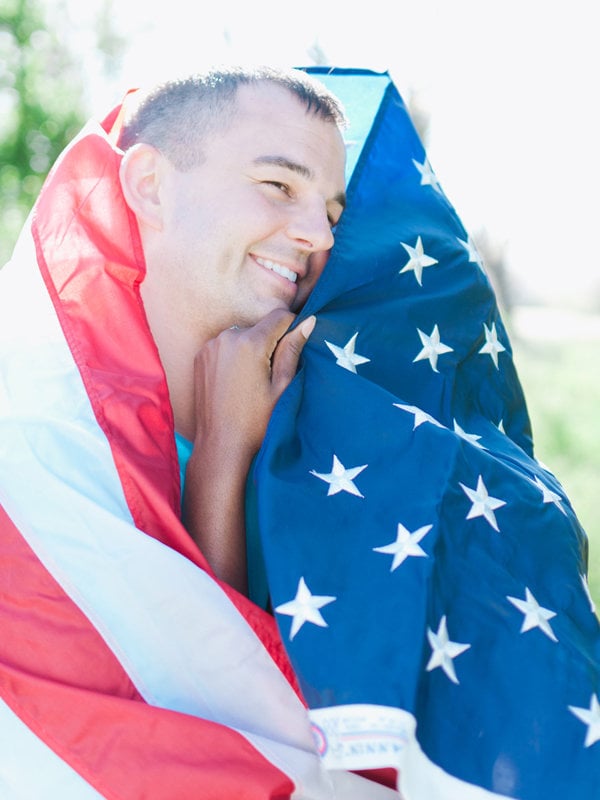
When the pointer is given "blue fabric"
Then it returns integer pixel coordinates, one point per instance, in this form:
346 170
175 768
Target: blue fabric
436 441
184 451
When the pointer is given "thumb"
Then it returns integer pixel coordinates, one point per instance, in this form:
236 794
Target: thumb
287 354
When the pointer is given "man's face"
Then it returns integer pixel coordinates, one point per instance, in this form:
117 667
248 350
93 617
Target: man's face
249 230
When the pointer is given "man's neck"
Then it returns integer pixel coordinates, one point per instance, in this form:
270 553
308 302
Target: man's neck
177 347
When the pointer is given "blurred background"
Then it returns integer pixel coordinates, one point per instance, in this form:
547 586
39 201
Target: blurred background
503 93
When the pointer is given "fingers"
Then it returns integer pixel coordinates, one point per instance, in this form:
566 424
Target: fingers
281 347
269 330
287 354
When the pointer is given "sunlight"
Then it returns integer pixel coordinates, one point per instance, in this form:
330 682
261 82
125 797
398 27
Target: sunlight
507 88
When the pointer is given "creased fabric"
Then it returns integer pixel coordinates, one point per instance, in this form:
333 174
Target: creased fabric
126 669
426 571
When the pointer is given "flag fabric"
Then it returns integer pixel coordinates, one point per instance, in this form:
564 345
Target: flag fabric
127 670
427 573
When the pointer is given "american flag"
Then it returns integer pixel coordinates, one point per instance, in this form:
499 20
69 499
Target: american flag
427 573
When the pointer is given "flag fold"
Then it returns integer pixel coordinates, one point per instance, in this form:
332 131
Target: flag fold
126 669
427 573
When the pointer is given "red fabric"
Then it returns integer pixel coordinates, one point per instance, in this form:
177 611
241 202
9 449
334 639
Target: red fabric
56 672
90 255
44 635
59 677
386 776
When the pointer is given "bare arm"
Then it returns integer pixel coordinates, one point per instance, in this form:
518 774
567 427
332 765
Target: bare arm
239 376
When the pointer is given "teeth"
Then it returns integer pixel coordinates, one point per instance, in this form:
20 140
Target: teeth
279 269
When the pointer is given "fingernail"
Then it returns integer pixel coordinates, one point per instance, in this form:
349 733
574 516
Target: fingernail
306 327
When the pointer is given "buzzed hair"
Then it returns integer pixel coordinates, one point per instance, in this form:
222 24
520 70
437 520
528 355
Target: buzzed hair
177 114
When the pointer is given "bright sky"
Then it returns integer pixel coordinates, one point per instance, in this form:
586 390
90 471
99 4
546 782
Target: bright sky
509 87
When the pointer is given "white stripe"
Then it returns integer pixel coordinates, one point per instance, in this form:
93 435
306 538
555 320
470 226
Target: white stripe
29 769
364 736
175 632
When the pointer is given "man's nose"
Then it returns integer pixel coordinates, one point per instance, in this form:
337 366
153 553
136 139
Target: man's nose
310 226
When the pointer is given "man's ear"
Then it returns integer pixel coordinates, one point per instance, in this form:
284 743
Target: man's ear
140 176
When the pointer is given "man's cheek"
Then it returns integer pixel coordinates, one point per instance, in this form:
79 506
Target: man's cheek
318 262
316 266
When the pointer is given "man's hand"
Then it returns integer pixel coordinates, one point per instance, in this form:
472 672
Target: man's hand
239 376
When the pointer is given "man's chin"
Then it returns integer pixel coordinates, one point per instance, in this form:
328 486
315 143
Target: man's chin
262 310
299 303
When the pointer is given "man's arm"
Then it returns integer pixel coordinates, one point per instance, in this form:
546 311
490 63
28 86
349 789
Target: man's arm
239 376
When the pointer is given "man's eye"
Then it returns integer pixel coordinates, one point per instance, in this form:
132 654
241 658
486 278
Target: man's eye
283 187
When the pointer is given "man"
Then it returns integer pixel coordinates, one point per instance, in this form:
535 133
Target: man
236 227
150 293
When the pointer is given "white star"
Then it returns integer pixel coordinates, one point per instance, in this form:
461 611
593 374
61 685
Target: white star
468 437
588 594
444 650
428 177
418 260
492 346
483 504
340 479
591 717
432 347
345 356
406 544
535 615
304 608
420 415
548 495
474 256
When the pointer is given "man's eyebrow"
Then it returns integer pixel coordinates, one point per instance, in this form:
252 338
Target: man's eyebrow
299 169
285 163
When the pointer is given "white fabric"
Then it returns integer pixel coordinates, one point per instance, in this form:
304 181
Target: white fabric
387 738
177 635
48 775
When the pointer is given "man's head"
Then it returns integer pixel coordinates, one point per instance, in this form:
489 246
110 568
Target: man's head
236 178
176 116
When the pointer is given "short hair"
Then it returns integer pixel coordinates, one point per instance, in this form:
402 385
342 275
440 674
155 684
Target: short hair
175 115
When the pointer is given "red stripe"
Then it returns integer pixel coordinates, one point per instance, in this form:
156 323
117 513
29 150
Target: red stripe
43 633
91 259
127 749
60 678
56 672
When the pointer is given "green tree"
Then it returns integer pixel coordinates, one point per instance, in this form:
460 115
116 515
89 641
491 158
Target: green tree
41 95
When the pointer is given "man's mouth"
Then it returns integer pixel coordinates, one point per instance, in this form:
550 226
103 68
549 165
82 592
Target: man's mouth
279 269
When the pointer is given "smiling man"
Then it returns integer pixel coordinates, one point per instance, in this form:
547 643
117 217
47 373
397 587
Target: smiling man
235 219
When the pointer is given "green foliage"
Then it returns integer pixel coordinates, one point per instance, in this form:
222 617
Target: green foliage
40 110
562 386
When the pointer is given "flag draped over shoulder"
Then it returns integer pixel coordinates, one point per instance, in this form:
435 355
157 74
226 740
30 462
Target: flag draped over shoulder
426 572
126 669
